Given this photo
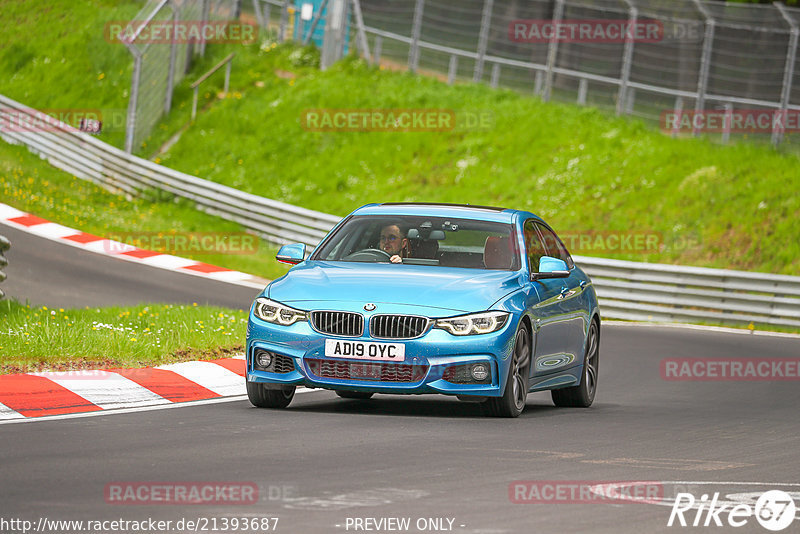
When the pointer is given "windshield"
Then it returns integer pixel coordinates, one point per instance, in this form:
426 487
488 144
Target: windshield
434 241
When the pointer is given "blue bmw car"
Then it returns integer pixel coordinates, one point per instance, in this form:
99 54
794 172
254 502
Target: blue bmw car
481 303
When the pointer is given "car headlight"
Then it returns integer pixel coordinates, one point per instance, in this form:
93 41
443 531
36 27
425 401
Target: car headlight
277 313
476 323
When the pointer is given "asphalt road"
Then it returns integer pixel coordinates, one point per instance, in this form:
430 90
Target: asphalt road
325 463
326 459
54 274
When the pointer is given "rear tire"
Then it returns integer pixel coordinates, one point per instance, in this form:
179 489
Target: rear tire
360 395
512 403
582 395
262 396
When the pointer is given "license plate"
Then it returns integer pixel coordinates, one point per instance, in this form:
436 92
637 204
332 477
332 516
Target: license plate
365 370
365 350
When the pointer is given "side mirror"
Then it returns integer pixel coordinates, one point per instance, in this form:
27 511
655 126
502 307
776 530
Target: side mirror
292 254
550 267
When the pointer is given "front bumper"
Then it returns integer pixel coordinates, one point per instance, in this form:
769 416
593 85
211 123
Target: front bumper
427 360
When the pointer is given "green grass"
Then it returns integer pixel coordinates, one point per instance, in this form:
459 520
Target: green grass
31 184
583 171
53 55
38 338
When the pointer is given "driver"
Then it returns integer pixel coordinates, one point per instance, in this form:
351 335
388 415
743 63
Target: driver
394 242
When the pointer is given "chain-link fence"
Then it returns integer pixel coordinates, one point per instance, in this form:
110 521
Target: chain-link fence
162 39
693 66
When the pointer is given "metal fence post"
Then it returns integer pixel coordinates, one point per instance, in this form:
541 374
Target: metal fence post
259 15
266 14
334 36
206 7
552 50
416 29
483 39
130 122
627 57
676 128
630 100
227 78
727 123
788 75
284 19
361 33
583 89
172 52
376 52
194 103
495 75
705 63
452 69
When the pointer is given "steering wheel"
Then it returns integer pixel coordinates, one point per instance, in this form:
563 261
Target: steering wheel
368 254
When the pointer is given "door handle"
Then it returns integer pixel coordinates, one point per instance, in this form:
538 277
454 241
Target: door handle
583 284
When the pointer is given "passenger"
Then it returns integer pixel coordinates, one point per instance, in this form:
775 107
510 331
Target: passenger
394 242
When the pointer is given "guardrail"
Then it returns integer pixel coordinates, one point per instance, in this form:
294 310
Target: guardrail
626 289
672 293
90 159
4 245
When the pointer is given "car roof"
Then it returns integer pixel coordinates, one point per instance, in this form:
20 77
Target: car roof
432 209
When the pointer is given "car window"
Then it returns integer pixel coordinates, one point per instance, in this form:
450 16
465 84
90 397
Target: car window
534 248
555 248
432 241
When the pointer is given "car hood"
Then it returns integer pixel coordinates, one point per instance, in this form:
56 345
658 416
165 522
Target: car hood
445 288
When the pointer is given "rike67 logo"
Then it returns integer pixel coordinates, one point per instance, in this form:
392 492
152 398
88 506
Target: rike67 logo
775 510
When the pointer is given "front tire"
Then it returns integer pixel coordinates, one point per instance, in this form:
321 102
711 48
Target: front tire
360 395
512 403
262 396
582 395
